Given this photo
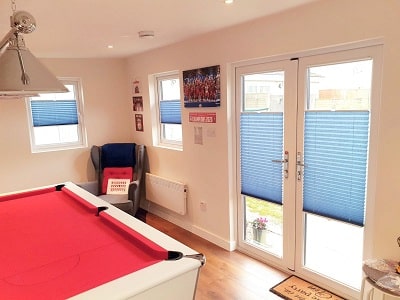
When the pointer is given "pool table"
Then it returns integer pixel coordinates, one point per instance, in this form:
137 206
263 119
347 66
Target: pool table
61 242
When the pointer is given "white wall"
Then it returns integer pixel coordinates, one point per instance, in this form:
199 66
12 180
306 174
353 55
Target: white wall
207 168
107 112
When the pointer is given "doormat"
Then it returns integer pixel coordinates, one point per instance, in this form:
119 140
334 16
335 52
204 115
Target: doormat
295 288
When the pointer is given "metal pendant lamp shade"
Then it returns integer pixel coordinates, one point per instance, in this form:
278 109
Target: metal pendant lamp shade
41 80
22 74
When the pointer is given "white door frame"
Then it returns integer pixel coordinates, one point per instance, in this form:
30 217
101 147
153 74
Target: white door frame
374 48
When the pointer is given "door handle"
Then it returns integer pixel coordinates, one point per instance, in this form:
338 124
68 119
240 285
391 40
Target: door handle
282 161
285 162
299 166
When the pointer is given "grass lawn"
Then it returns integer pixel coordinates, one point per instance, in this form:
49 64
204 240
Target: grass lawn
272 211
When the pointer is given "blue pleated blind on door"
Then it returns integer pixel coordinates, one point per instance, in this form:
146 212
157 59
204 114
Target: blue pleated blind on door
335 158
51 113
170 111
261 142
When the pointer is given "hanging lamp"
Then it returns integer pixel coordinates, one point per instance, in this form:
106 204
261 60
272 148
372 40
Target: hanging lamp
21 74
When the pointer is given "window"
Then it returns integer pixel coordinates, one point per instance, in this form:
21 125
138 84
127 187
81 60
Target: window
169 110
56 121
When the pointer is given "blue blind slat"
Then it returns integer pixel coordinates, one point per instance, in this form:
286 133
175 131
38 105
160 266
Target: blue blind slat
50 113
335 155
261 137
170 111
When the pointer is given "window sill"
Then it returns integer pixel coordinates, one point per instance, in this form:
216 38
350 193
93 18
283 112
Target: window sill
170 147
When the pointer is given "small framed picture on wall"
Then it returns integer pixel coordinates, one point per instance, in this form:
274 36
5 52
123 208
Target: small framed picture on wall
137 103
139 122
136 87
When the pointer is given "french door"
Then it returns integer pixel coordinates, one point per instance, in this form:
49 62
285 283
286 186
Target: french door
306 129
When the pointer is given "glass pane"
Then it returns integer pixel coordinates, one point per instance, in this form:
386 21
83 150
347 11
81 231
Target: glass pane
345 86
48 135
170 111
170 89
261 153
70 95
334 249
172 132
68 133
336 142
263 92
264 225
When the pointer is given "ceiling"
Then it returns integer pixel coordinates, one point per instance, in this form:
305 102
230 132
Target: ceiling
85 28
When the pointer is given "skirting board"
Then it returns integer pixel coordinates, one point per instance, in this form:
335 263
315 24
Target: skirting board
227 245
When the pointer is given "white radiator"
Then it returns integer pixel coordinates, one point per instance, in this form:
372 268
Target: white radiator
166 193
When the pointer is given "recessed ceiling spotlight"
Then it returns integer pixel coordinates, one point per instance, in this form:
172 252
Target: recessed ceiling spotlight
146 34
228 1
110 46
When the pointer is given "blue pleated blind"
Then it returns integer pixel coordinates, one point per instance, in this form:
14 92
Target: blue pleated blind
261 142
335 155
170 111
51 113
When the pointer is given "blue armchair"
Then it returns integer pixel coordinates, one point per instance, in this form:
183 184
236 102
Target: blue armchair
118 161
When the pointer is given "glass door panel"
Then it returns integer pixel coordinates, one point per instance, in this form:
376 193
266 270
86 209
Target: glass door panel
261 167
264 159
336 139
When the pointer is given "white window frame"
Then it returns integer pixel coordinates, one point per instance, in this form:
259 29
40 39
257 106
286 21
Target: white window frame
159 138
81 142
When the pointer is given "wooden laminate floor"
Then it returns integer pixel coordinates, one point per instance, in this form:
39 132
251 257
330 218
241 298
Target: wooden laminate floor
226 275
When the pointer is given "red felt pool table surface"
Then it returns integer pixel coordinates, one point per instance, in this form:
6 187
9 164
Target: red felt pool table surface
55 245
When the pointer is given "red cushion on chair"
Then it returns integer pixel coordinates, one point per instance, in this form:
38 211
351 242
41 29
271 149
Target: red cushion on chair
115 173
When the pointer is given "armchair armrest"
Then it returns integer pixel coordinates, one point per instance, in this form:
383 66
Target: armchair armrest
132 189
134 194
91 186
